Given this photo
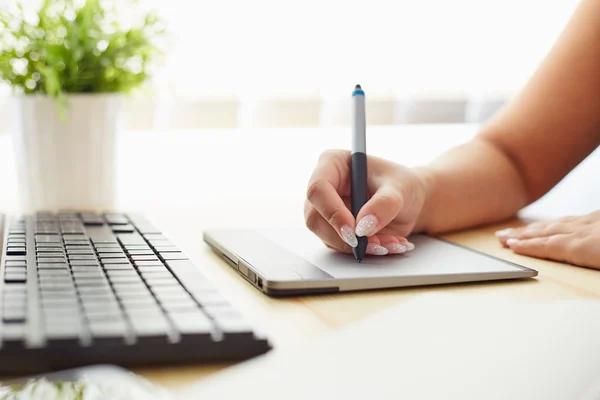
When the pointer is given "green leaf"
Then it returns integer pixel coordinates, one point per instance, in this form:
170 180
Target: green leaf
70 50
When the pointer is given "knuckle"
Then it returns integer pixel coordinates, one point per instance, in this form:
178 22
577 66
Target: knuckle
568 219
312 220
335 218
553 227
330 154
574 248
315 188
390 200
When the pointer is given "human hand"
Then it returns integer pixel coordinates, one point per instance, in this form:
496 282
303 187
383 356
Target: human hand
574 240
397 195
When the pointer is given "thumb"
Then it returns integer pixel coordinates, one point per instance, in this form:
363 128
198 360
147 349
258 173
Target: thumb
379 211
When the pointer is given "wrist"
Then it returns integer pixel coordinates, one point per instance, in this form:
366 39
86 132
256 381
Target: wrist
426 179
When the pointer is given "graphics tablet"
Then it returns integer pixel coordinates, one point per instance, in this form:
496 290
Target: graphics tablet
293 262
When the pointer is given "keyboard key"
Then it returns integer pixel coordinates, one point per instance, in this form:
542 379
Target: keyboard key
14 288
52 254
168 290
125 279
155 272
15 263
210 298
146 252
116 219
138 246
88 252
65 279
79 247
111 328
222 311
154 281
118 267
100 306
86 268
76 242
104 289
179 305
128 272
130 238
93 221
123 228
129 287
147 302
51 260
115 254
12 332
233 325
14 314
167 249
90 281
147 326
89 274
53 272
14 277
17 269
47 239
187 322
148 264
107 261
65 302
63 332
172 296
81 257
107 246
52 286
15 258
84 262
52 266
15 251
173 256
144 258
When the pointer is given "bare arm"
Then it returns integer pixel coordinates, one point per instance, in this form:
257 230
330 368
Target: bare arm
531 144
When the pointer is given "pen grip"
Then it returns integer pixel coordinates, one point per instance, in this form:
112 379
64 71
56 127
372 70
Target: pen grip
358 172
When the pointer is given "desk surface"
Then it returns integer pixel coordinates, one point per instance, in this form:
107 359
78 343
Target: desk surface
190 181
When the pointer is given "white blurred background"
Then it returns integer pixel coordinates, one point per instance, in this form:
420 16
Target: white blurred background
277 63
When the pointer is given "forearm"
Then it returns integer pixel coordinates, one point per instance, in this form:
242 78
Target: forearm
470 185
528 147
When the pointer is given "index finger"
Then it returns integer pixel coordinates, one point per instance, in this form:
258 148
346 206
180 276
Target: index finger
324 194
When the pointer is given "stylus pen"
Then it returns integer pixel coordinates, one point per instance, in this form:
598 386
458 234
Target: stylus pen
358 161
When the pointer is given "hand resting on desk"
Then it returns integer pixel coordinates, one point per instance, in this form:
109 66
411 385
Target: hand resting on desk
573 240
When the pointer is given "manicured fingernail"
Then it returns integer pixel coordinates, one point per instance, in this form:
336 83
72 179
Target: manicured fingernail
348 236
409 246
512 242
366 225
503 232
376 249
395 248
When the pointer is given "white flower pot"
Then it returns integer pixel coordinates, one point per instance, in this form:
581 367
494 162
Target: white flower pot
66 163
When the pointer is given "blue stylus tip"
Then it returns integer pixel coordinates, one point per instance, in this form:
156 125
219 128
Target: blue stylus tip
357 87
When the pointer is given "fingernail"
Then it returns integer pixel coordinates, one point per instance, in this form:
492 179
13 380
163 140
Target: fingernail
348 236
503 232
366 225
409 246
512 242
376 249
395 248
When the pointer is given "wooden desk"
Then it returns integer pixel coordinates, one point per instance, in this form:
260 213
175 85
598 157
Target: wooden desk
190 181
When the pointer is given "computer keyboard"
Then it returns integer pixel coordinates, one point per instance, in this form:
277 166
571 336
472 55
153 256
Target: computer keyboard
87 288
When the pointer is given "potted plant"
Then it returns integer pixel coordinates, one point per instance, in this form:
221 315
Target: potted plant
69 63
